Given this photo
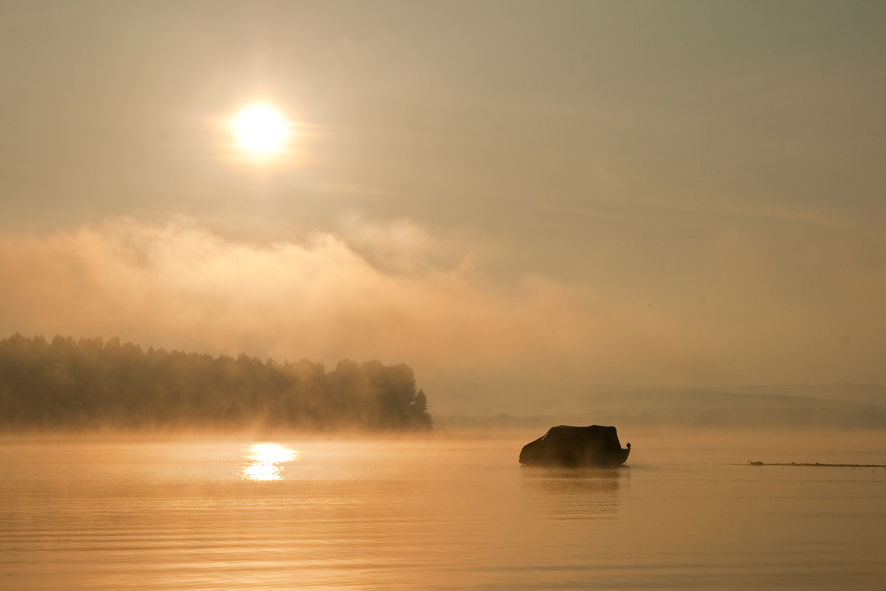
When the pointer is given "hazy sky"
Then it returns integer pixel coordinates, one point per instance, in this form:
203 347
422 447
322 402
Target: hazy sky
518 199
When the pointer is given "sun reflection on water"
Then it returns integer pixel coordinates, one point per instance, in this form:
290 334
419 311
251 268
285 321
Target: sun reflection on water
265 458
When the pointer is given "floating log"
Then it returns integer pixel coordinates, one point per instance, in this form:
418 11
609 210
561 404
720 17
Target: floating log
818 465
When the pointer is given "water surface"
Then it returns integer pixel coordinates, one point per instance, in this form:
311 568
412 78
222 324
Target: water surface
445 512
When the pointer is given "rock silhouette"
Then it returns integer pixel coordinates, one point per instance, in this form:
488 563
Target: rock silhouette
576 446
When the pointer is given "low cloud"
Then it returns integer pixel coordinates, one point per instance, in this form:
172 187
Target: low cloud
386 292
179 285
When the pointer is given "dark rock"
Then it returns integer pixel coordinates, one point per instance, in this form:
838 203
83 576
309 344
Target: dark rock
576 446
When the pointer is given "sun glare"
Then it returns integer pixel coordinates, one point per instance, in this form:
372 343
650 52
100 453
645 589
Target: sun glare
265 457
261 130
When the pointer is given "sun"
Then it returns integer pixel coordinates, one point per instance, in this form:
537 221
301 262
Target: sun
261 130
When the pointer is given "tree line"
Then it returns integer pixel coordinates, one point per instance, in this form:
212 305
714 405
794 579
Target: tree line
67 383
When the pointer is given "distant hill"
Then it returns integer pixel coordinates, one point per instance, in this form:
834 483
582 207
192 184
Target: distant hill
793 406
873 394
68 384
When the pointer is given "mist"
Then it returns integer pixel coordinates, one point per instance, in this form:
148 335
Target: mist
399 294
287 287
90 383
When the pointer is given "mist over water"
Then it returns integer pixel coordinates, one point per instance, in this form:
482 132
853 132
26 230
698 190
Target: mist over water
303 350
444 511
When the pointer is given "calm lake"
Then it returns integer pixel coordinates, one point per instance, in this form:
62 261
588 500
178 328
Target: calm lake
449 511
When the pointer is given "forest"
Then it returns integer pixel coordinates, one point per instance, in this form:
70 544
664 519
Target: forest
92 382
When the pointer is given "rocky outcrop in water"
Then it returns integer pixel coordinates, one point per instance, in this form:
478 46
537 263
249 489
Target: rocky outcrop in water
576 446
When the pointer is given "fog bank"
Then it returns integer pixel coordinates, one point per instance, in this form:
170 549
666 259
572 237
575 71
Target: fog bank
392 293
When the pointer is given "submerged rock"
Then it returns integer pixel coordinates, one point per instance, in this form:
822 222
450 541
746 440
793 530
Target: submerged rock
575 446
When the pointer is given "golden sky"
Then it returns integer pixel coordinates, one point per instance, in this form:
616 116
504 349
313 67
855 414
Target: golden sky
518 199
